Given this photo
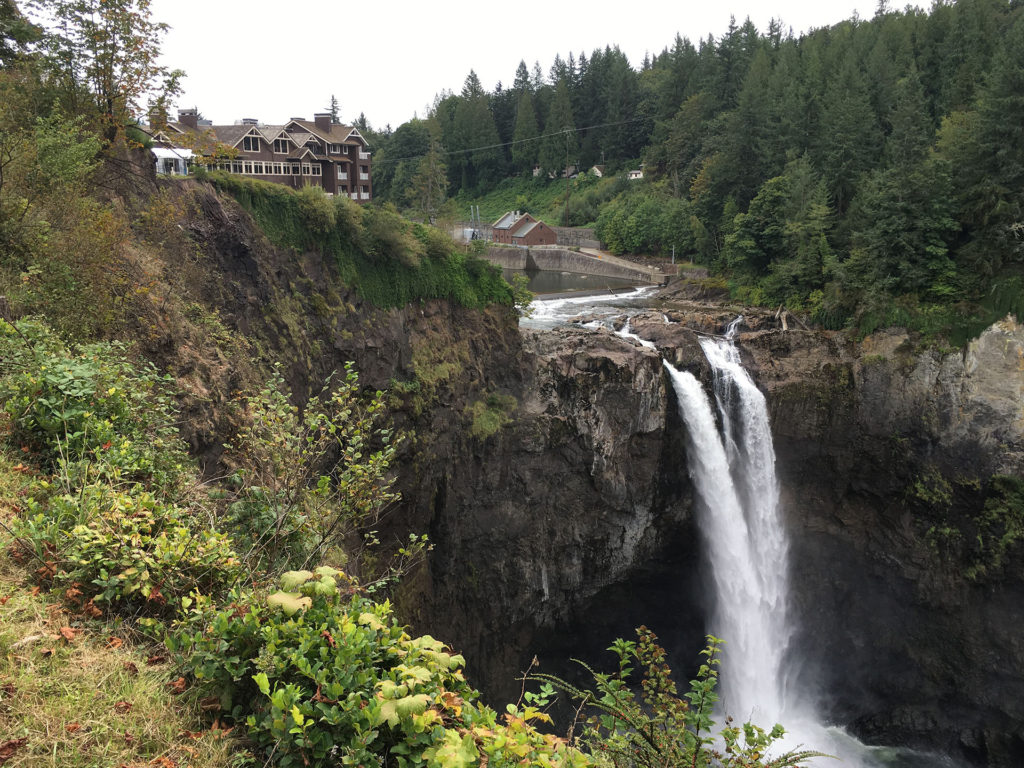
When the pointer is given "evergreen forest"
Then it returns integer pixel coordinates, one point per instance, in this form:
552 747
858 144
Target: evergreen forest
868 173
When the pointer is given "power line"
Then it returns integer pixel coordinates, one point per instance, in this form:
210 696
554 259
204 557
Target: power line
562 132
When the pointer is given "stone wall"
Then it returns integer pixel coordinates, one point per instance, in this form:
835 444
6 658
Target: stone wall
562 260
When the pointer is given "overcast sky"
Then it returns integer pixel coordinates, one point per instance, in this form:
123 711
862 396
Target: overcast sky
281 59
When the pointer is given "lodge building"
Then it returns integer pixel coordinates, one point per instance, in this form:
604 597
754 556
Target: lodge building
299 153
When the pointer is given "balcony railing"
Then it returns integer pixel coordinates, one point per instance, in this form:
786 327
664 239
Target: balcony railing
343 175
364 177
354 195
364 195
364 155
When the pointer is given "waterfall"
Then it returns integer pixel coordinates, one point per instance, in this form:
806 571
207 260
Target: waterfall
733 471
739 521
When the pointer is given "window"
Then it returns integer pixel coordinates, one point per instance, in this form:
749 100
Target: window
317 170
307 169
335 149
251 144
257 168
344 150
247 168
281 146
236 167
277 169
295 169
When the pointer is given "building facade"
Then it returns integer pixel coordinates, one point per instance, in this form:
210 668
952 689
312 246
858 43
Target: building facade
298 153
515 228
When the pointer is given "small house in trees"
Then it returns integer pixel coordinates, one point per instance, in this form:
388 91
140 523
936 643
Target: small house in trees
515 228
299 153
637 174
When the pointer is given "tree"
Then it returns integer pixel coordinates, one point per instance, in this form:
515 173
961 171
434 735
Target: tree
560 146
431 180
524 137
16 32
334 108
111 49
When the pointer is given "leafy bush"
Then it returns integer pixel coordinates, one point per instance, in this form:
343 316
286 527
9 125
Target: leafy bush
316 209
307 482
654 727
324 681
107 523
138 555
89 405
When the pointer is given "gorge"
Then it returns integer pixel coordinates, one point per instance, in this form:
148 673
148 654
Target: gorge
574 520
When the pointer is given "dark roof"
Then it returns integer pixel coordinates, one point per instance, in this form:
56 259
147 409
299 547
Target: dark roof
336 133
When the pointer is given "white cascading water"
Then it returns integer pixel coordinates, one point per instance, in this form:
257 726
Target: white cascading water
748 549
752 613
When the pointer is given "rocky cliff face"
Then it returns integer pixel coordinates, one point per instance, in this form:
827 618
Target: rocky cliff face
908 583
572 524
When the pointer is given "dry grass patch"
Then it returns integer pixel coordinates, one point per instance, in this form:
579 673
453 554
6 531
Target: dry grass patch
77 693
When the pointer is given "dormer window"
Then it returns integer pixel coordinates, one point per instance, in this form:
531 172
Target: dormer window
281 146
251 144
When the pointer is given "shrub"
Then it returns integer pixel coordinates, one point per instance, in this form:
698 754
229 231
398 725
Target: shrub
138 555
316 209
322 681
650 725
88 408
307 482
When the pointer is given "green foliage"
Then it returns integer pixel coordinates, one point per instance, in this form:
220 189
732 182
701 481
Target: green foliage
644 223
490 415
111 49
107 524
307 482
651 725
981 542
138 555
521 294
88 409
315 209
388 260
323 676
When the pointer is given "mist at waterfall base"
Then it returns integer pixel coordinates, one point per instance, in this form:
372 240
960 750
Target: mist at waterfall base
732 465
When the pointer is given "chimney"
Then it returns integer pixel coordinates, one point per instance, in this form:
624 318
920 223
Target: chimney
189 117
323 121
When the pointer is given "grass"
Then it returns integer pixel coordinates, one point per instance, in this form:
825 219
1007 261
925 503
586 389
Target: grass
78 692
542 198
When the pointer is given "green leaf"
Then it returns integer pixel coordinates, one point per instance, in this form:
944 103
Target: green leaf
289 602
262 682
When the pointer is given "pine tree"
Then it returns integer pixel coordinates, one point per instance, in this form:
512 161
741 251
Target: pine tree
335 109
430 184
524 146
560 147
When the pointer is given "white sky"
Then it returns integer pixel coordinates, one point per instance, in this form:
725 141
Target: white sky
281 59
